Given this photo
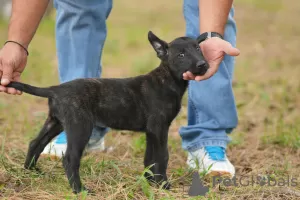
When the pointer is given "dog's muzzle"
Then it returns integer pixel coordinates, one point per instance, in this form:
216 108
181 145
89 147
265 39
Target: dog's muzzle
201 64
200 69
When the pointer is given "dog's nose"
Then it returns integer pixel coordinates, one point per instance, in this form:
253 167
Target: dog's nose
200 63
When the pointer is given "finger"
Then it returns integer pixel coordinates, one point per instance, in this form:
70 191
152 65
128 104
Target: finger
190 75
2 88
11 91
185 76
19 92
230 50
6 74
201 78
210 72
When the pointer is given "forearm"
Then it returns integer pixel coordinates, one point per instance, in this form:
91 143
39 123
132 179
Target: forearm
25 18
214 15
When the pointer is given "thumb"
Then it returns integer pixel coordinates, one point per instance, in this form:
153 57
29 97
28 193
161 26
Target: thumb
7 75
230 50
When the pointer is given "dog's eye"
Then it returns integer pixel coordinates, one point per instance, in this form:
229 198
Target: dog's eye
198 48
181 55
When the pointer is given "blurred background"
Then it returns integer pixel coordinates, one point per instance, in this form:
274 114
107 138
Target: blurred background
266 86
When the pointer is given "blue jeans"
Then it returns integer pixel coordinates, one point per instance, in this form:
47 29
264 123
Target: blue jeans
212 111
80 36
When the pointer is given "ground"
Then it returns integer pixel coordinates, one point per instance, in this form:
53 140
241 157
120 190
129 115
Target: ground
266 87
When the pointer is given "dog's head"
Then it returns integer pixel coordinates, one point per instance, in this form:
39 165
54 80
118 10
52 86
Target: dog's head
182 54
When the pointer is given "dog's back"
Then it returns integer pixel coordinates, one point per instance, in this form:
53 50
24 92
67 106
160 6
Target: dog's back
124 103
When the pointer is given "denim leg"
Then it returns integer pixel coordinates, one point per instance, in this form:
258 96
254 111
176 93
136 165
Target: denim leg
212 111
80 36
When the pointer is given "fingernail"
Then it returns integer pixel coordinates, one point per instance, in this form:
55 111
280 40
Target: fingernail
4 81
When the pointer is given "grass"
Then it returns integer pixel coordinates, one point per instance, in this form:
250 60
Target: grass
267 91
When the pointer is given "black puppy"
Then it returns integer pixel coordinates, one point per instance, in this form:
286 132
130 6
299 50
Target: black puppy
147 103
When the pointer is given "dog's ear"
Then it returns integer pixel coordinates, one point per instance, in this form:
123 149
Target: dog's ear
160 46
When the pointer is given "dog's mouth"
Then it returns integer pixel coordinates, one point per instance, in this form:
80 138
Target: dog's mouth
200 69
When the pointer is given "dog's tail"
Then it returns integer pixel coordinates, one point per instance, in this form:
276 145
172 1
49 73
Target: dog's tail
41 92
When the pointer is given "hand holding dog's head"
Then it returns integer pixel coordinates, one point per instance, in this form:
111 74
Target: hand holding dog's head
182 54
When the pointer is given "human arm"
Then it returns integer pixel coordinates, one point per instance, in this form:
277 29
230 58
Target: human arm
213 16
24 21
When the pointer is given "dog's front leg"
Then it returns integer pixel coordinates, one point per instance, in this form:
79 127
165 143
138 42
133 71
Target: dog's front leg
157 154
149 159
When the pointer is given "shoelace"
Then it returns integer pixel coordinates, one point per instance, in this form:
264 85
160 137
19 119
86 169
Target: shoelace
215 152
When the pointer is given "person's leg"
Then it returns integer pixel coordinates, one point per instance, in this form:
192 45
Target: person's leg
211 106
80 36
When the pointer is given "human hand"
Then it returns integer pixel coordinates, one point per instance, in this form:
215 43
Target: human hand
13 60
213 50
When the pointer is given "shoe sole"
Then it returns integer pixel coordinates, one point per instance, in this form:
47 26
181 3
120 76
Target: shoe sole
56 158
219 173
52 157
97 150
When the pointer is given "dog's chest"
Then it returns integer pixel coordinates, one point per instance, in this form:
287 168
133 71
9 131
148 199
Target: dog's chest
173 109
168 107
166 100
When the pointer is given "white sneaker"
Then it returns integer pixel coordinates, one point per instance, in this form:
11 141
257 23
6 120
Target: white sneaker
56 150
211 160
95 145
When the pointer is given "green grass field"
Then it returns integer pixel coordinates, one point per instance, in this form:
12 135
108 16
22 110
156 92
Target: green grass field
266 86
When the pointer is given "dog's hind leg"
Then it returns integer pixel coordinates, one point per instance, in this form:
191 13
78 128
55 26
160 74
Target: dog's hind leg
78 135
51 128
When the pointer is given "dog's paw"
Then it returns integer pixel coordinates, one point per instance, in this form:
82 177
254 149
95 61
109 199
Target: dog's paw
157 181
84 190
33 168
30 166
149 177
166 185
90 192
